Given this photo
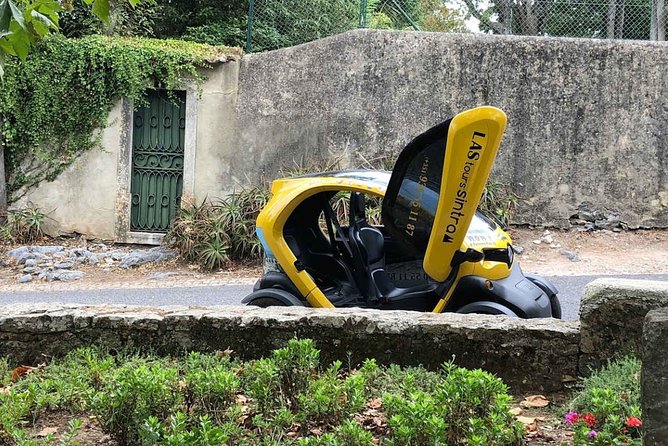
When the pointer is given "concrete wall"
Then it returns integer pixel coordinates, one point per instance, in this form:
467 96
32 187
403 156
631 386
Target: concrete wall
534 355
612 313
83 198
587 122
587 118
654 378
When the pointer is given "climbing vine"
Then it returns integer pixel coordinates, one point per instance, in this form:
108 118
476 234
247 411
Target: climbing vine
55 104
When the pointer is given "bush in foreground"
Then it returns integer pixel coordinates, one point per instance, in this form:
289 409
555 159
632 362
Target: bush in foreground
288 398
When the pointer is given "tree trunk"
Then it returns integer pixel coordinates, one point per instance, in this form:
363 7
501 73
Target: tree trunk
3 179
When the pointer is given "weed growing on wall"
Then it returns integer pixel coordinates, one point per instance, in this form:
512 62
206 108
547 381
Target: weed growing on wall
55 103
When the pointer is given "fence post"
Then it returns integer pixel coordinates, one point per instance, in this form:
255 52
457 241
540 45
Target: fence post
415 26
363 6
249 27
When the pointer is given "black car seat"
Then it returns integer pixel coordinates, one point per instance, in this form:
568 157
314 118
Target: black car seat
368 248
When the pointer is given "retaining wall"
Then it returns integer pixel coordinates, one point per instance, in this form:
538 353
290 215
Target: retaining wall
587 118
612 313
586 133
654 379
528 355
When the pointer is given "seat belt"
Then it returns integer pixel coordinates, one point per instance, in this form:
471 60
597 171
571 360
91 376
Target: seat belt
329 212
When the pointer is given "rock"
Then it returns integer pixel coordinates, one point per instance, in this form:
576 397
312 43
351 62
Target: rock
518 249
17 253
47 250
161 276
63 265
654 378
537 242
30 263
153 255
118 256
63 275
29 269
25 278
570 255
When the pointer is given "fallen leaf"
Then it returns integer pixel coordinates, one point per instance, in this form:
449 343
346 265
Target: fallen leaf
526 420
516 411
4 390
47 431
534 401
375 403
21 371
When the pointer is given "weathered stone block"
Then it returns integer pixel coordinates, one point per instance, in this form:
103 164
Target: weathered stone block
611 316
654 379
536 354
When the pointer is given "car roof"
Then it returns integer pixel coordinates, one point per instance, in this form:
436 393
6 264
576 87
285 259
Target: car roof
378 178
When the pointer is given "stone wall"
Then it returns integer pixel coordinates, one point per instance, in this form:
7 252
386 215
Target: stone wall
586 133
529 355
612 312
587 118
654 379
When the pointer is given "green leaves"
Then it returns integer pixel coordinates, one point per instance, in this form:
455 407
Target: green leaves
101 9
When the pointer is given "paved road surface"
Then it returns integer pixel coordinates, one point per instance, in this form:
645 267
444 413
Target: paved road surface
570 290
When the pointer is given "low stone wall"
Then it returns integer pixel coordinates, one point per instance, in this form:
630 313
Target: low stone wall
527 354
654 379
611 317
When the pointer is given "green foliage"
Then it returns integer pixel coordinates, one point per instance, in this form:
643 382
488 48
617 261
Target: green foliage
23 225
136 391
470 405
498 200
211 234
56 102
124 20
284 399
606 404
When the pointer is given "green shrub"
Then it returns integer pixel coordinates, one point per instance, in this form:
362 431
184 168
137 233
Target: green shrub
607 408
138 390
284 399
467 406
212 234
23 225
211 386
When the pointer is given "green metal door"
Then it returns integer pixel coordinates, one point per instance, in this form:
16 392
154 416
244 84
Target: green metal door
157 161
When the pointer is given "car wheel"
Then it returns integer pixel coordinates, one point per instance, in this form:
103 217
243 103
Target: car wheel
265 302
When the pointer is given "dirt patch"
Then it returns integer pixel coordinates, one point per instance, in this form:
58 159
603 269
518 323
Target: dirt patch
592 253
57 425
547 253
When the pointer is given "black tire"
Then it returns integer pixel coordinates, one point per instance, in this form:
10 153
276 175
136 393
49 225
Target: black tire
486 307
555 306
265 302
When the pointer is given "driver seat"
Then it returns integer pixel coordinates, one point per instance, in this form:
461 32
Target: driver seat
367 244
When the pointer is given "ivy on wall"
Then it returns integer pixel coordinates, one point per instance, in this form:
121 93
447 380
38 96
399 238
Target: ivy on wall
55 104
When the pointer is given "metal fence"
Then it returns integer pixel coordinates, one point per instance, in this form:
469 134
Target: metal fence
279 23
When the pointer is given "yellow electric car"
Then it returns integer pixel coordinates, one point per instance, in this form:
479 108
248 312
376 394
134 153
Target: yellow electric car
433 251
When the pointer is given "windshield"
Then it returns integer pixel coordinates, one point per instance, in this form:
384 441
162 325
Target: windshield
412 195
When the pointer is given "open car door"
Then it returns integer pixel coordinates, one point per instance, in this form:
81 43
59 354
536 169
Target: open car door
436 186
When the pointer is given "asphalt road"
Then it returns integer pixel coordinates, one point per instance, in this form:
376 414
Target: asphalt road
570 291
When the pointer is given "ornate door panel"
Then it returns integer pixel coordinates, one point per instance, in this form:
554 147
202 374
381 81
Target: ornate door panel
157 161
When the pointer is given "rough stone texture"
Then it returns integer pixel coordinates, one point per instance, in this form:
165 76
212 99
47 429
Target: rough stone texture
153 255
587 118
529 355
611 316
654 378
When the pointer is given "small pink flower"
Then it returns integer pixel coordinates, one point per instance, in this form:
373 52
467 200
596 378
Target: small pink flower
571 418
633 422
592 434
